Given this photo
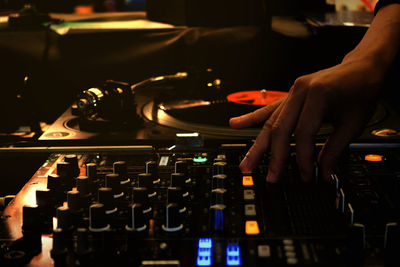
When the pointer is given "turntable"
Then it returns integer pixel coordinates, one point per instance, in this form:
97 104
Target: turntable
160 107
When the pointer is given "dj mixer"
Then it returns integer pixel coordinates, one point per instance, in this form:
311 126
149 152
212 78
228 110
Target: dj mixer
192 206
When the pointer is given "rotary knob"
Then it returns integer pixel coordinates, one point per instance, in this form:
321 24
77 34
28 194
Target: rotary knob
73 161
97 218
136 218
119 167
113 181
175 195
91 172
64 218
173 220
106 197
147 180
141 196
181 166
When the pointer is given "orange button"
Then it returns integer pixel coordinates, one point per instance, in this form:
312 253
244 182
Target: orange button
252 228
373 158
247 181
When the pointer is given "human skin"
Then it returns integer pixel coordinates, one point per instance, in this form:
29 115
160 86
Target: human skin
344 94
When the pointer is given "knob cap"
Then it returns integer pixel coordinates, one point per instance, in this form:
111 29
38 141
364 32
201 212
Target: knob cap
119 167
151 167
64 170
106 197
73 161
31 219
175 195
113 181
82 185
178 180
59 244
97 218
136 219
140 195
91 172
64 218
218 214
173 220
82 242
147 180
181 166
74 201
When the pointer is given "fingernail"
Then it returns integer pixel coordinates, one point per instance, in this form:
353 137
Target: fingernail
244 165
271 177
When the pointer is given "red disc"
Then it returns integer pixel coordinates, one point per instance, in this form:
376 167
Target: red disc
257 98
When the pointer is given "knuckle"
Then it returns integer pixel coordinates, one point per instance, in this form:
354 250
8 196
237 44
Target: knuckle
300 82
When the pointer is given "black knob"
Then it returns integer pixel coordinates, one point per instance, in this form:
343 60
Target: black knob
181 166
106 197
54 183
59 244
356 245
91 172
44 198
173 220
73 161
119 167
151 167
82 185
219 167
178 180
175 195
136 218
82 242
140 195
64 170
97 218
64 218
147 180
113 181
74 201
31 219
219 181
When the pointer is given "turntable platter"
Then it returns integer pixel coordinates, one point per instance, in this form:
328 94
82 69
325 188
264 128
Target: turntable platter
212 116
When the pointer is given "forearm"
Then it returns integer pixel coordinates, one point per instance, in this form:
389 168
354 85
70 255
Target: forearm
381 42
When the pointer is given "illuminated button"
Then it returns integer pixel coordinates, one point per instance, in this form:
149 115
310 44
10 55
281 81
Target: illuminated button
233 255
373 158
249 194
264 251
252 228
247 181
200 159
250 210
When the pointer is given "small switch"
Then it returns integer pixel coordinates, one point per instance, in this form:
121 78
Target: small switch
250 210
249 194
252 228
247 181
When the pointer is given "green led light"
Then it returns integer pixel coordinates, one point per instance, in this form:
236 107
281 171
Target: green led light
199 159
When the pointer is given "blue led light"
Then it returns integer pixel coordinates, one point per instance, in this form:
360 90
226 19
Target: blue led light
205 243
233 255
204 252
219 219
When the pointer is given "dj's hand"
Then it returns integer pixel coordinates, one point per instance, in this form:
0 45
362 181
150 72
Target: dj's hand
344 94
